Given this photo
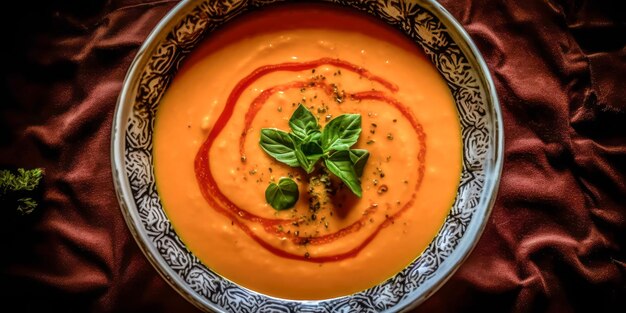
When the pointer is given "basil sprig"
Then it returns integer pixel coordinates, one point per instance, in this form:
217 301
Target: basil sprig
306 144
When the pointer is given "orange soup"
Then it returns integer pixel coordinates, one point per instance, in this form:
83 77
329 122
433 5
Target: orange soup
212 173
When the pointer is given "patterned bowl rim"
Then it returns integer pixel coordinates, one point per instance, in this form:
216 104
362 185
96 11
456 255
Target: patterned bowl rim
129 210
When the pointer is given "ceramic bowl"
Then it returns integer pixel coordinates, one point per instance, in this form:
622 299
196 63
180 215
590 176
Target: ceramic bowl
442 39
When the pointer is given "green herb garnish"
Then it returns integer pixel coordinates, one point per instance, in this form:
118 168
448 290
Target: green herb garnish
305 145
283 195
17 189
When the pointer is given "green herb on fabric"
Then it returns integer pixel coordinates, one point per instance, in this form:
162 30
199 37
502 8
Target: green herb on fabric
18 189
307 144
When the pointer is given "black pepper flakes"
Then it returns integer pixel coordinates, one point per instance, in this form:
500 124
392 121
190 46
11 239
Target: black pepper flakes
315 207
382 189
389 136
307 255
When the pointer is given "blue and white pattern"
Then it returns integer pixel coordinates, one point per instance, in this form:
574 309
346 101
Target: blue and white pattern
194 21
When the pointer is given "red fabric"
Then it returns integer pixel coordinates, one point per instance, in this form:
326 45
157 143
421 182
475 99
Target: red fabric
556 241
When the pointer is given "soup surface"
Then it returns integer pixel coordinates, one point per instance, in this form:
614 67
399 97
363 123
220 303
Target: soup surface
212 174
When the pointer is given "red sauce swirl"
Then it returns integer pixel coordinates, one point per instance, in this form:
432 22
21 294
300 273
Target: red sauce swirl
218 201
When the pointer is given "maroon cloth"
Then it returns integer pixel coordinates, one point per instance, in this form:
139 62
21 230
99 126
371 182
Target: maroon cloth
556 241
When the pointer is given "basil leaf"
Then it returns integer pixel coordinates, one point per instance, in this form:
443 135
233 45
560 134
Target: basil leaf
341 132
314 137
307 154
303 122
305 163
279 145
283 195
340 164
359 157
312 150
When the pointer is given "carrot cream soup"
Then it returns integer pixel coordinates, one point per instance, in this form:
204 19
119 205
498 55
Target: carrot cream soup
307 152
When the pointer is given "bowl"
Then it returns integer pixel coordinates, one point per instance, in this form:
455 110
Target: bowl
449 48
